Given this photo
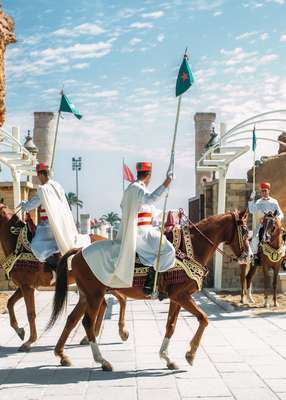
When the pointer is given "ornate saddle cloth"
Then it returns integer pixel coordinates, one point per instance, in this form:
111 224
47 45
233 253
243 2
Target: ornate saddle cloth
274 255
185 268
22 254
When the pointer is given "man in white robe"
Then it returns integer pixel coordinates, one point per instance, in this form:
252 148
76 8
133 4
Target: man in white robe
258 209
112 262
56 232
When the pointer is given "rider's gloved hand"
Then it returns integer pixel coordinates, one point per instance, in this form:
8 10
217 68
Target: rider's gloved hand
22 205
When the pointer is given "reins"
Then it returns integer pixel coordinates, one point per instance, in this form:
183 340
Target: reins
210 241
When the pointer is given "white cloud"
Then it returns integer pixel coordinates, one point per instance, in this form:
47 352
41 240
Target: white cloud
155 14
81 66
246 35
161 37
264 36
246 70
148 70
205 5
217 13
134 41
107 93
141 25
283 38
268 58
83 29
281 2
237 56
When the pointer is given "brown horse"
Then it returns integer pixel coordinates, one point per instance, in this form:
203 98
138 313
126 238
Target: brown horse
230 227
30 277
270 253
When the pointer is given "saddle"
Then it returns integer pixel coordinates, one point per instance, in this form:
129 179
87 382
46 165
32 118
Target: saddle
185 267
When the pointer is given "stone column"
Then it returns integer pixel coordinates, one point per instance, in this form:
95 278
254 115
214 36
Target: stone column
203 128
44 135
7 36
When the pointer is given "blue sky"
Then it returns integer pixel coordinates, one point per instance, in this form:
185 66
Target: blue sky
118 61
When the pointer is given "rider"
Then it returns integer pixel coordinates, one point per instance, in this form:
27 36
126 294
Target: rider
259 208
113 261
56 232
44 245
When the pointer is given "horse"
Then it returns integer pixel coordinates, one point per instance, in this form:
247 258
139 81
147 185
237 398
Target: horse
30 276
206 236
271 251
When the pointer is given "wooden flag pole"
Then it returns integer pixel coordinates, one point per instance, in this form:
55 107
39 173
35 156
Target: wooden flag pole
56 134
253 187
123 186
157 268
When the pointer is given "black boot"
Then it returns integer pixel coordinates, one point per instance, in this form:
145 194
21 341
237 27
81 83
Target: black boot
53 261
283 264
256 260
149 283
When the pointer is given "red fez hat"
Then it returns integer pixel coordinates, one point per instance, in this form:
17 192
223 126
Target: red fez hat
265 185
144 167
41 167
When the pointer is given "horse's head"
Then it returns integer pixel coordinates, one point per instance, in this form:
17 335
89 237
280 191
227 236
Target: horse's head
239 241
271 227
10 220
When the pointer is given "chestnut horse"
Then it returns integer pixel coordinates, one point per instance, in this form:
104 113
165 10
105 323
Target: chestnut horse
271 251
30 277
230 227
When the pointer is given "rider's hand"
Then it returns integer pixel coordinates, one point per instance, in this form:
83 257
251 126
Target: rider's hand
22 205
167 181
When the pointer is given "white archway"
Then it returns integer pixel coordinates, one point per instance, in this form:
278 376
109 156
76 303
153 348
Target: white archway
14 155
221 155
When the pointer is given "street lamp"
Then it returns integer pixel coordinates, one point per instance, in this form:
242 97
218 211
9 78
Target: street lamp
76 166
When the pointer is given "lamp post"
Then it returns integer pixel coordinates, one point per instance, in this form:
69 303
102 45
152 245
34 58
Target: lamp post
76 166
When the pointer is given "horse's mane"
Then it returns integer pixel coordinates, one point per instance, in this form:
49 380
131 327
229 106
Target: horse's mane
212 219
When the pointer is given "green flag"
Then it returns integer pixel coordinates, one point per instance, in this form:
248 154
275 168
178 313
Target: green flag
185 77
253 139
67 106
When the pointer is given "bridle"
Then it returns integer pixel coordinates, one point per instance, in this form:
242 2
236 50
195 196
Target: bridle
241 229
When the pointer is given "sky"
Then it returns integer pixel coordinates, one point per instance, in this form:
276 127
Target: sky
118 62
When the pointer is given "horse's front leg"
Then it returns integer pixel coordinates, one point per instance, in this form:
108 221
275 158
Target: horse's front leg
249 279
243 268
17 295
265 279
123 332
187 302
275 281
174 310
29 297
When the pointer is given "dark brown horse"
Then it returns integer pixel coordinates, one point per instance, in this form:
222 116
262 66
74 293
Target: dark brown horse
206 236
270 253
29 277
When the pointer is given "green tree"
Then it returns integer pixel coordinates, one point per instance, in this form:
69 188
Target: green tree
73 200
111 218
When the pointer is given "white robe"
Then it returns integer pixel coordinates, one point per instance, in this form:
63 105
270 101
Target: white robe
112 261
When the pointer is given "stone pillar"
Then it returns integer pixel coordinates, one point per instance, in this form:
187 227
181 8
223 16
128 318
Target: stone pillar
203 128
44 135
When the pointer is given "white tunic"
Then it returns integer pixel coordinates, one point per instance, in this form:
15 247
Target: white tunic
112 261
43 244
259 209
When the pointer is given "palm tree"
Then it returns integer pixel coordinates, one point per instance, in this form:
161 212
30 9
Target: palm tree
111 217
73 200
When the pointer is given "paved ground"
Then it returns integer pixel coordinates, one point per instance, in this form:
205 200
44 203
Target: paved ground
241 357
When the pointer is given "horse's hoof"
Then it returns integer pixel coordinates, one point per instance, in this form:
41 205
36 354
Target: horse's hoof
21 333
266 305
65 362
106 366
172 366
251 301
124 335
84 341
24 348
276 304
190 358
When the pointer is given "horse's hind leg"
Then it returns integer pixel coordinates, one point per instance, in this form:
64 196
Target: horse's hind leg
29 297
123 332
187 302
174 310
17 295
93 307
265 279
72 321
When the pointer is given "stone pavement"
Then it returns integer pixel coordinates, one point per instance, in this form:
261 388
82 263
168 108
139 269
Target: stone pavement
241 357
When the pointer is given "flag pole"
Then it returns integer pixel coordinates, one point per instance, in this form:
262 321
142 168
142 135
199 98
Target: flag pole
123 162
157 268
253 187
56 133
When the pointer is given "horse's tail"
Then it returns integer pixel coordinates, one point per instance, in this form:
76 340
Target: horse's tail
60 297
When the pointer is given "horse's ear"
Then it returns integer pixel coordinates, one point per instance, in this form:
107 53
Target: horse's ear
243 214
